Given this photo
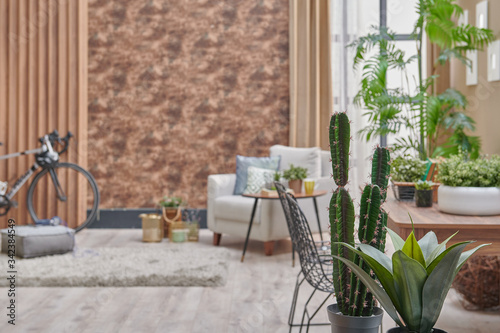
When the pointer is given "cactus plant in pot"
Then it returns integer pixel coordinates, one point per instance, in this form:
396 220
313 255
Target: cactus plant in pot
415 282
355 309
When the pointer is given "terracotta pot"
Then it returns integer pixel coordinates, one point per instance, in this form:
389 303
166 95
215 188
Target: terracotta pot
295 185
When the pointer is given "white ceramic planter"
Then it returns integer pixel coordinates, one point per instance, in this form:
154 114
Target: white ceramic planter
469 200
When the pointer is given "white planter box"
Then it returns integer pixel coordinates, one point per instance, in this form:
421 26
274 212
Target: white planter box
469 200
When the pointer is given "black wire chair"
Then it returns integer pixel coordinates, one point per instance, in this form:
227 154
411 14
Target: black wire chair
315 261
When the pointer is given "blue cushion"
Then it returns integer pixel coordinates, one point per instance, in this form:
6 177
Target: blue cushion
242 164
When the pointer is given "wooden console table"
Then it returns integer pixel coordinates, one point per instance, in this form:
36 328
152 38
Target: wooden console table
482 229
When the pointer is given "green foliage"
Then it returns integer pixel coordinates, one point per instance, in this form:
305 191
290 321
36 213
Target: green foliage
171 202
353 297
482 172
407 169
277 176
415 281
423 185
426 114
294 173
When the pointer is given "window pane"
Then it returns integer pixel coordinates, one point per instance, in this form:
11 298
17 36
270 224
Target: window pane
401 15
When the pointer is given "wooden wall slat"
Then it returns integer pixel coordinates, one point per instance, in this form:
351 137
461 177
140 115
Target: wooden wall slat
4 54
12 88
43 86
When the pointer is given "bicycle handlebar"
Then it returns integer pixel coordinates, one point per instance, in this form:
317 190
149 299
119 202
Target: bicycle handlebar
54 137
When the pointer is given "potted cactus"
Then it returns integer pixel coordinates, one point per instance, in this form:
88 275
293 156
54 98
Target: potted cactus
355 309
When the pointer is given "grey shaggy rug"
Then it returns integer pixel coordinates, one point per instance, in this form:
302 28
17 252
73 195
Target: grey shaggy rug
185 264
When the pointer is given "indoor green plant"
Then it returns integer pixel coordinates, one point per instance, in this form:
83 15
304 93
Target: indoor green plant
353 298
470 187
426 113
295 175
423 193
415 281
405 171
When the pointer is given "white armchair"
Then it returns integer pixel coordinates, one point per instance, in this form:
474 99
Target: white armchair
230 214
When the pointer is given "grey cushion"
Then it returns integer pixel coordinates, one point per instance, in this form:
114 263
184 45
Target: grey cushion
35 241
242 164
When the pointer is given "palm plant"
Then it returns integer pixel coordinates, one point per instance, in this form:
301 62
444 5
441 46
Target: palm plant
426 113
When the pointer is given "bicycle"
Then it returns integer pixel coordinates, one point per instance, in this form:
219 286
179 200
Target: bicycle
64 179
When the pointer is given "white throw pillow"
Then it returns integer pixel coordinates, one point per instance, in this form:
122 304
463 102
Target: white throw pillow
309 158
257 178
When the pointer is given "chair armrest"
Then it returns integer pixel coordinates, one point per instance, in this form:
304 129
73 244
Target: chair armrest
222 184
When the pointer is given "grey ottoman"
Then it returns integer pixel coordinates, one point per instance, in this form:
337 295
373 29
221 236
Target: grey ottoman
36 241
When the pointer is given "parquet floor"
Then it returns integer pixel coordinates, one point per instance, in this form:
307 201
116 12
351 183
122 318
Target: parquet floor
256 298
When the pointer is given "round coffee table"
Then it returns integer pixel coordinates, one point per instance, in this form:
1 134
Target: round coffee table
258 196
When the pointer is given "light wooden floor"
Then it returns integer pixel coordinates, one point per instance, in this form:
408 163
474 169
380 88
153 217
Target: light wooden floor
256 298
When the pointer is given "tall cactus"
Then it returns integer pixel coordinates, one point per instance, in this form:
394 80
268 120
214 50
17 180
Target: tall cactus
352 296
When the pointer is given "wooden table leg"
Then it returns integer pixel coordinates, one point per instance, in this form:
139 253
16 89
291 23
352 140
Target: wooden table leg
249 229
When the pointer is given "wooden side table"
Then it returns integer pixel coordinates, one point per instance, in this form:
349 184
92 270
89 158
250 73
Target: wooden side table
258 196
483 229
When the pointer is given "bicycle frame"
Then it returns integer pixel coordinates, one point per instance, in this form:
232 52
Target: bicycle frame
46 147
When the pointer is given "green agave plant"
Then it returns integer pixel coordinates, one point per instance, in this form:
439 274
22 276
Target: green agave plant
417 279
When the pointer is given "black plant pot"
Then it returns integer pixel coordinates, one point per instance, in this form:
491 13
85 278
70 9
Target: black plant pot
404 330
423 198
406 193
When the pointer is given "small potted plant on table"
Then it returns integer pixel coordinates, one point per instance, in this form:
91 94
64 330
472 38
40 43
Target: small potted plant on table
405 171
423 193
295 175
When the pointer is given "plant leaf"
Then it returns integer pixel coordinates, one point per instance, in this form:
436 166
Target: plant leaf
437 286
428 243
397 241
375 289
410 277
383 274
438 259
465 255
438 250
413 250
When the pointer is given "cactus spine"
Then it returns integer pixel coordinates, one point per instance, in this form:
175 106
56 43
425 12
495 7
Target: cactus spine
352 296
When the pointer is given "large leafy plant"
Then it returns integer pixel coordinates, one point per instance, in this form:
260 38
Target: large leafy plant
482 172
426 113
415 281
407 169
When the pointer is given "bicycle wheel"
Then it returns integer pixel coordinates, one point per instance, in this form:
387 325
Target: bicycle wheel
65 190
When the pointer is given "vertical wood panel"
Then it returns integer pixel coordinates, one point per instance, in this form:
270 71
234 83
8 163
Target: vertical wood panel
4 21
43 86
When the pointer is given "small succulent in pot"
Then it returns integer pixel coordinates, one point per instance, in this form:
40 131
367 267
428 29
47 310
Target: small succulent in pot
295 175
423 193
415 281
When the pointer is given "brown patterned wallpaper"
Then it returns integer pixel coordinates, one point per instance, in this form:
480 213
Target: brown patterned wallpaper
178 88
